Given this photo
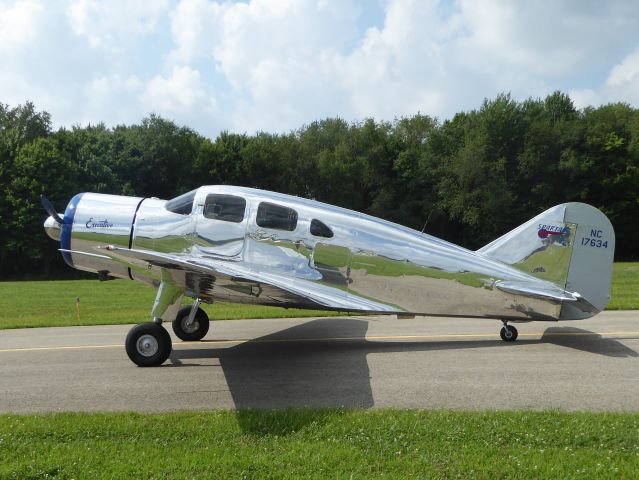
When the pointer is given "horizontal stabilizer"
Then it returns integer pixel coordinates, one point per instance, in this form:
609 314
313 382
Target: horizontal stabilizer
545 292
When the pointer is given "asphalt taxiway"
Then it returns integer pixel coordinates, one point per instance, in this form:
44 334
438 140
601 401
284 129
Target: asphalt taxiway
348 362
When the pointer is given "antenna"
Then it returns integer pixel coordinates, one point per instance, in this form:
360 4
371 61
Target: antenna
427 219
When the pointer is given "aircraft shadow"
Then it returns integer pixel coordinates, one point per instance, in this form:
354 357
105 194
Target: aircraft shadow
322 364
276 371
586 341
319 364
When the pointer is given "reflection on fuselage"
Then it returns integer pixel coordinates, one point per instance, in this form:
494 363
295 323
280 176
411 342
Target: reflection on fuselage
394 268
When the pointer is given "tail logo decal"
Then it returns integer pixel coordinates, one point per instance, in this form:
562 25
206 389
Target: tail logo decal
553 233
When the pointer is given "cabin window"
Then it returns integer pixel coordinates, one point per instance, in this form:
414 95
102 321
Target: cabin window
182 204
320 229
227 208
274 216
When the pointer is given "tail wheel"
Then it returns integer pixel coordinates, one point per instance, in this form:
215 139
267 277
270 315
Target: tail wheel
148 344
508 333
195 331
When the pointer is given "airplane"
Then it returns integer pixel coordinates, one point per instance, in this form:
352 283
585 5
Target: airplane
246 245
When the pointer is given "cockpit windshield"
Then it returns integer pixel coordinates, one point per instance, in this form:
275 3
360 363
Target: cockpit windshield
182 204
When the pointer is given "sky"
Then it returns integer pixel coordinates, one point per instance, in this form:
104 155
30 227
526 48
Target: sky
276 65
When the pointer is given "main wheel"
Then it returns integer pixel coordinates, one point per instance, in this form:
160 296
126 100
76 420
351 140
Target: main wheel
148 344
508 333
194 332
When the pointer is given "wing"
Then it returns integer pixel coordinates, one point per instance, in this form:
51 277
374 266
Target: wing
238 282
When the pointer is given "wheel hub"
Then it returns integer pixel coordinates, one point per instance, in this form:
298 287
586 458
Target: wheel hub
147 345
189 327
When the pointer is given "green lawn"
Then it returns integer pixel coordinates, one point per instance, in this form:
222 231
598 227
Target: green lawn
293 444
53 303
39 304
624 293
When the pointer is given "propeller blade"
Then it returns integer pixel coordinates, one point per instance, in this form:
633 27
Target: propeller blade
48 206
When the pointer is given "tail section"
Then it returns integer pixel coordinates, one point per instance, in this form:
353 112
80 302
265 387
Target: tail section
571 245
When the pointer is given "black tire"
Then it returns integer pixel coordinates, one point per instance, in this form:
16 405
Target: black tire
508 333
200 325
148 345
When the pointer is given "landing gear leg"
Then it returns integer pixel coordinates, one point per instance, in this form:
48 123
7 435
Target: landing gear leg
508 333
149 344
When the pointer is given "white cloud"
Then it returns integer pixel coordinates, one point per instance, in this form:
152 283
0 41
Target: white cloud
106 86
536 36
179 93
621 85
112 99
283 32
27 54
273 54
18 24
193 29
291 62
585 96
401 68
110 25
275 65
626 72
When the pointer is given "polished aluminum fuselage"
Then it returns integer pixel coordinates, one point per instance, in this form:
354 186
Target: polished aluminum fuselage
387 267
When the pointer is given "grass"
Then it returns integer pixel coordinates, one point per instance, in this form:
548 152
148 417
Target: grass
624 294
40 304
320 444
53 304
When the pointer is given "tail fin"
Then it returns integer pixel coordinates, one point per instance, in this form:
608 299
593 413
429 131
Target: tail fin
571 245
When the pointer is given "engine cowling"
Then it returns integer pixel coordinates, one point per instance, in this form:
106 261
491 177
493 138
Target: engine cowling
95 219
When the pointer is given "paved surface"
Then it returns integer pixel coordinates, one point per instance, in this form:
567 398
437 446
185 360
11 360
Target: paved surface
336 362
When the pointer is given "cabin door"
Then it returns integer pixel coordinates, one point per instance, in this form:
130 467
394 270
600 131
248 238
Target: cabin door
220 228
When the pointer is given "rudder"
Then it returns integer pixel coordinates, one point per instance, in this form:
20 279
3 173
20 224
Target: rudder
590 272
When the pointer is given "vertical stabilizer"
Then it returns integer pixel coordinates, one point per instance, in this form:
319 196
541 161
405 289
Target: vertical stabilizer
571 245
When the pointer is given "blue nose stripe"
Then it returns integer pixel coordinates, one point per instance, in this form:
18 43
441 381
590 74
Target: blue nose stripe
67 226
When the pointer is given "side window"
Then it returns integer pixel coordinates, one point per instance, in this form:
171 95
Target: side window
270 215
228 208
320 229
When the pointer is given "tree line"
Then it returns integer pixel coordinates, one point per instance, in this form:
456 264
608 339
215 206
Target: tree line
467 180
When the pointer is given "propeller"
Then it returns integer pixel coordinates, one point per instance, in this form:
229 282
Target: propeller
48 206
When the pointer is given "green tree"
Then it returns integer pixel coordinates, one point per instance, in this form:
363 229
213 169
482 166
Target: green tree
480 173
606 169
156 158
41 167
19 126
473 177
220 162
